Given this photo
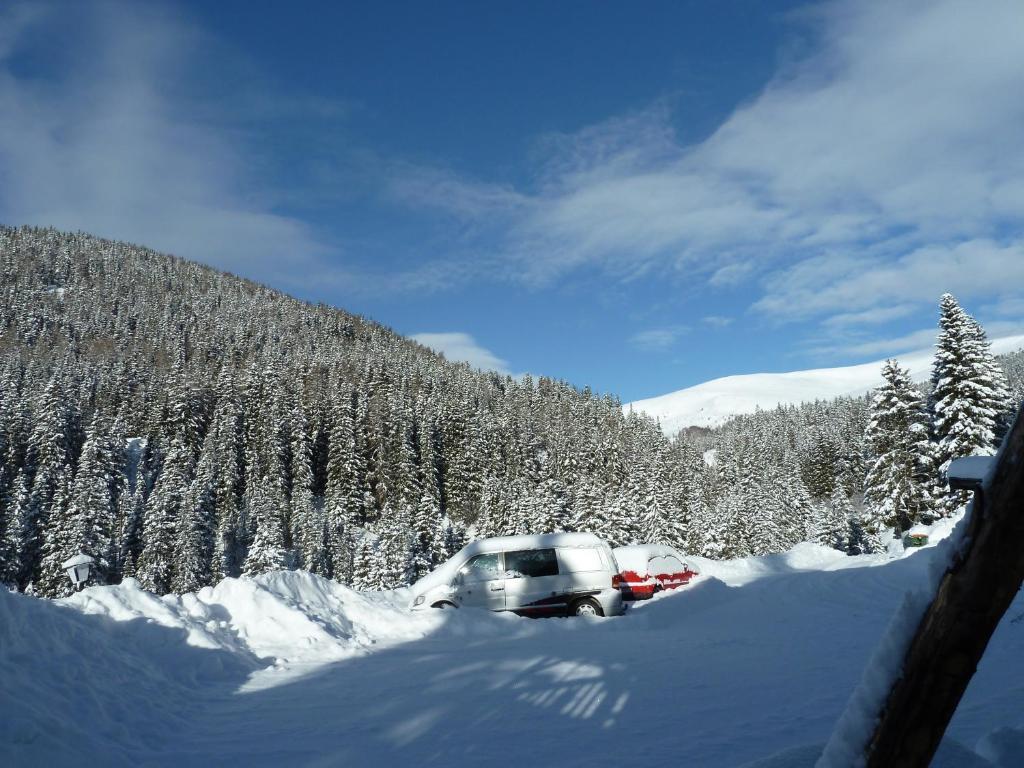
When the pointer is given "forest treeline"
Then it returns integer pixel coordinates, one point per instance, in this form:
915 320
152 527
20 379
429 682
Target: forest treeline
180 425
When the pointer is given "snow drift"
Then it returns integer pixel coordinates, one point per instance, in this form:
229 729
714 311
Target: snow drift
750 665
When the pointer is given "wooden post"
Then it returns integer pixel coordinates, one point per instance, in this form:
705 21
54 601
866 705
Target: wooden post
975 592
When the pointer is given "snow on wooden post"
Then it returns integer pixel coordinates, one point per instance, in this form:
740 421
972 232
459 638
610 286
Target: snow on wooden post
972 597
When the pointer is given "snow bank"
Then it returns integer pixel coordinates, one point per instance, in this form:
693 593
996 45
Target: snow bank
752 664
803 557
846 746
287 616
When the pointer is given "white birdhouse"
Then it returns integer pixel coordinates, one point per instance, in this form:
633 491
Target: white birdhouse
78 568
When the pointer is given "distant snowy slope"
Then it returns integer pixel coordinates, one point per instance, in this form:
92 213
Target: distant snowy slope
714 402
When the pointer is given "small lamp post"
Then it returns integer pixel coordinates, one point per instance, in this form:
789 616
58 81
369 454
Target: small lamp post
78 569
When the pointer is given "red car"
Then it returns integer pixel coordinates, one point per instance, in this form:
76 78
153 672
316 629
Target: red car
648 568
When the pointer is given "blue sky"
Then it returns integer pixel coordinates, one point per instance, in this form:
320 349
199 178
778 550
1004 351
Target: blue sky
632 196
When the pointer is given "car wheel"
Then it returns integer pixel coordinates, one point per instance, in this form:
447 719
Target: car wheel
444 605
586 607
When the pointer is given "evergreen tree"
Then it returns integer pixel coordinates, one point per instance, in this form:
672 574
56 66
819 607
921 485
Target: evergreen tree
969 391
48 461
130 540
896 490
834 528
194 544
267 552
58 542
17 532
155 569
363 576
394 562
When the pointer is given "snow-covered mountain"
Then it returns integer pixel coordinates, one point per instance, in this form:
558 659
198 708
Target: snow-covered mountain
714 402
750 665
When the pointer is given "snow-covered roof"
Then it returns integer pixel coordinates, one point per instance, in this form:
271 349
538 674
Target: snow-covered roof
78 559
532 541
919 530
969 470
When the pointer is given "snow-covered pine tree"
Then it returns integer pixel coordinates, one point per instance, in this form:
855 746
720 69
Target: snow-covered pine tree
48 460
226 432
551 508
896 490
363 569
53 580
163 508
16 531
309 529
834 527
194 540
267 552
449 538
344 505
133 506
89 517
969 393
395 548
427 549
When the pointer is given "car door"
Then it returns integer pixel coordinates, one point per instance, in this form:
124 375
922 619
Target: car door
480 583
532 584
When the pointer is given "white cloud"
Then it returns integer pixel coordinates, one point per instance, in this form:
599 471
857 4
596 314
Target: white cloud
463 348
916 340
717 321
1012 305
825 284
441 189
876 316
116 139
731 274
657 339
897 133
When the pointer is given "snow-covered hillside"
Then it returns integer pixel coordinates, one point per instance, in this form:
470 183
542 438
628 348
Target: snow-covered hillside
714 402
752 665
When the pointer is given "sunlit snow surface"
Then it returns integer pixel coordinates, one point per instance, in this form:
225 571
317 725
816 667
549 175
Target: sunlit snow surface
712 403
752 664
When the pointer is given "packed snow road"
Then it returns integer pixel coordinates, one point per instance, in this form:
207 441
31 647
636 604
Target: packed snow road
750 665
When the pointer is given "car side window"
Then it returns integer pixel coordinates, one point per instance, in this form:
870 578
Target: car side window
663 566
532 562
671 565
482 568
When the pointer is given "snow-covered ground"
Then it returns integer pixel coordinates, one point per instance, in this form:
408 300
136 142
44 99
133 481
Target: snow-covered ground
714 402
751 665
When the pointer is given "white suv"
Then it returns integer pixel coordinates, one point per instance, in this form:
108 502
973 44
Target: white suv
541 575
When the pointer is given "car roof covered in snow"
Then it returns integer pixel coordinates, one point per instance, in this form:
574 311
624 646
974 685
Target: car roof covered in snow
532 541
635 556
919 530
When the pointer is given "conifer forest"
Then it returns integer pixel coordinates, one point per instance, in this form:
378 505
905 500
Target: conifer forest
181 425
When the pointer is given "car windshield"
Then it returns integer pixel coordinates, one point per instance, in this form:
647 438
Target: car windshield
482 568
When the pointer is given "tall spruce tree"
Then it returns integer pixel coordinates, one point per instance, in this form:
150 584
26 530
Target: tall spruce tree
969 392
896 490
263 507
